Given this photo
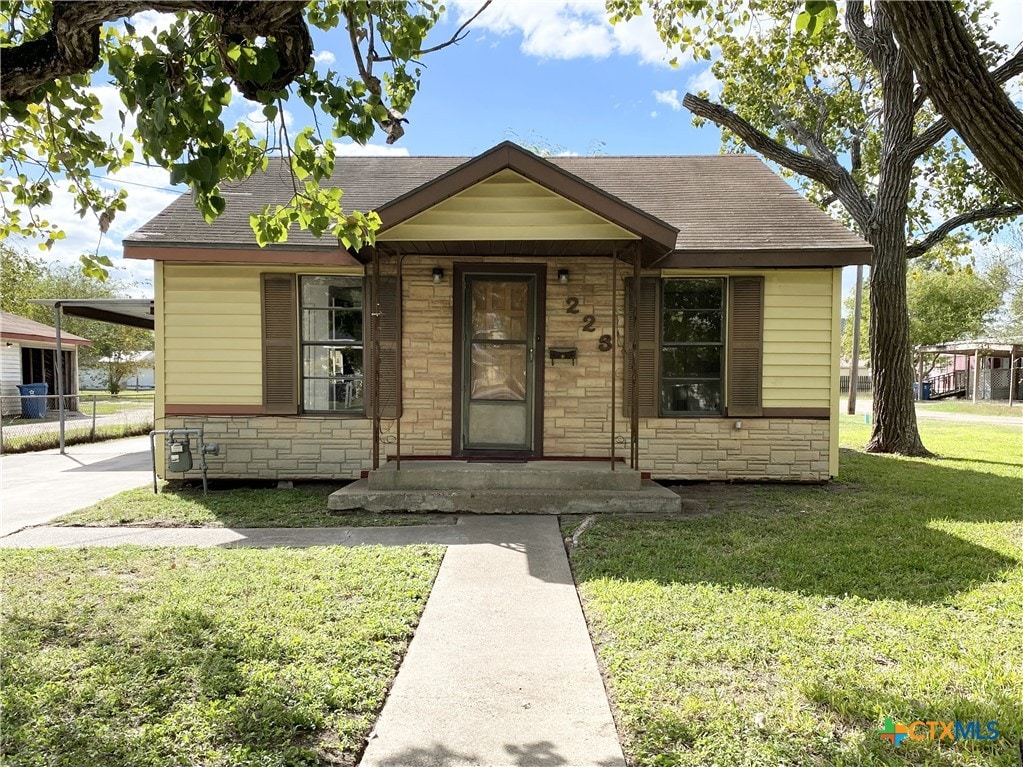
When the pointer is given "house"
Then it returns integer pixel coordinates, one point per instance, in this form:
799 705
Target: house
680 314
987 369
97 376
29 355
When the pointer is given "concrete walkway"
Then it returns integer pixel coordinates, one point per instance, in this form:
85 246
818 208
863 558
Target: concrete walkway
38 487
500 672
1007 420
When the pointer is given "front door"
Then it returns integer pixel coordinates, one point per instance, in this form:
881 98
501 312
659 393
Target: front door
500 339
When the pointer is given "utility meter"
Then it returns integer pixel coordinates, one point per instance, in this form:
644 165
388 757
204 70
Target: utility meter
179 453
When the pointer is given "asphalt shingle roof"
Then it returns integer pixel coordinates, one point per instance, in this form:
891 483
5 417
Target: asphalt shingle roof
718 202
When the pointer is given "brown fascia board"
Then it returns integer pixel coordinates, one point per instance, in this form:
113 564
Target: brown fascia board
766 259
507 155
237 254
64 340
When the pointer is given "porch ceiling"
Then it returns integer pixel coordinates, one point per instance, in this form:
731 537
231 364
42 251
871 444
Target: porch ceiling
509 248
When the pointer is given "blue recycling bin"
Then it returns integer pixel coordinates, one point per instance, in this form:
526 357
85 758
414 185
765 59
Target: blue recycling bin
927 390
33 404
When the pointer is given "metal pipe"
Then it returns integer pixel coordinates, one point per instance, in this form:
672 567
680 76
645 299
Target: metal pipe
59 366
634 373
375 357
400 356
854 363
614 348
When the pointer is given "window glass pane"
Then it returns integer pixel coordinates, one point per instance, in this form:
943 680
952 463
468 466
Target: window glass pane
331 292
701 397
498 371
693 327
691 362
692 294
332 394
331 361
499 309
332 325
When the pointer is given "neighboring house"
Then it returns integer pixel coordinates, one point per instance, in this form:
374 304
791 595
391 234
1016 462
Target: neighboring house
979 369
29 355
98 377
493 319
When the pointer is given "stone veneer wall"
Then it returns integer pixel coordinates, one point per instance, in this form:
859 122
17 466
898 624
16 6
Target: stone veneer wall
282 447
713 449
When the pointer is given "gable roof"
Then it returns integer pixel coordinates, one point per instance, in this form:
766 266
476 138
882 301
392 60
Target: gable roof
16 328
719 204
509 156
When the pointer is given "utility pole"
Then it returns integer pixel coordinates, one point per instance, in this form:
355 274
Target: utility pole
854 363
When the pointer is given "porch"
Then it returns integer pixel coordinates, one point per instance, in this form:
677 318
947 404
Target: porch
487 487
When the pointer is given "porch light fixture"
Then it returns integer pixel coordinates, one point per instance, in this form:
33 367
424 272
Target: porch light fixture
563 276
438 275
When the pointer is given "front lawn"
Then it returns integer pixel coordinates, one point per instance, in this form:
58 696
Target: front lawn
784 629
133 657
303 506
966 406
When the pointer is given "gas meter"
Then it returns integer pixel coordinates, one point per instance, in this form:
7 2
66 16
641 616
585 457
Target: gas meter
179 453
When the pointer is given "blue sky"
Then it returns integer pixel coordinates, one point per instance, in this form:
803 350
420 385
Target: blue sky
550 72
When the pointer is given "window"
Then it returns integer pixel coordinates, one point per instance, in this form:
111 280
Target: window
332 361
692 346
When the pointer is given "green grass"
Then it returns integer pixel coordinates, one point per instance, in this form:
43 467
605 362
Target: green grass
967 406
303 506
897 591
73 436
131 657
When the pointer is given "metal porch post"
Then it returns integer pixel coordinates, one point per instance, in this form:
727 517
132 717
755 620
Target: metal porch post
60 374
634 371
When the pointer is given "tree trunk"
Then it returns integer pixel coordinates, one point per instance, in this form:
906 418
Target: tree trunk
891 359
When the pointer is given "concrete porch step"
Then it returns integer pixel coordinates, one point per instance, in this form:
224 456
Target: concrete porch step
649 498
479 475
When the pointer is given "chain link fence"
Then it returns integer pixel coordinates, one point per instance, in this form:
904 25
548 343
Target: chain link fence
33 422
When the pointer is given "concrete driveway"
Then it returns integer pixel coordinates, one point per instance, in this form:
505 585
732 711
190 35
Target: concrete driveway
38 487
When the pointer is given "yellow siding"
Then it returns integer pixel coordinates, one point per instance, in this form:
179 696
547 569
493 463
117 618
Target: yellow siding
211 352
159 341
506 206
836 361
798 337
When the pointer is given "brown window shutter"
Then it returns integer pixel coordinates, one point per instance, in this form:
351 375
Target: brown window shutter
745 352
648 334
280 344
389 336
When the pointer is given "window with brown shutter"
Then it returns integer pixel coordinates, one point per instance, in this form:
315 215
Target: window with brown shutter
692 346
388 334
745 346
280 344
643 324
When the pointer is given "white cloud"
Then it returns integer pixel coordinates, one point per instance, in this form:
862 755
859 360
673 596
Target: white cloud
704 80
653 115
669 99
152 22
351 149
568 29
324 57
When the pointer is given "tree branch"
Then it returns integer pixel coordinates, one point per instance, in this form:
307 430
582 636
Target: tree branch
939 233
937 130
829 173
863 36
459 35
71 46
956 79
